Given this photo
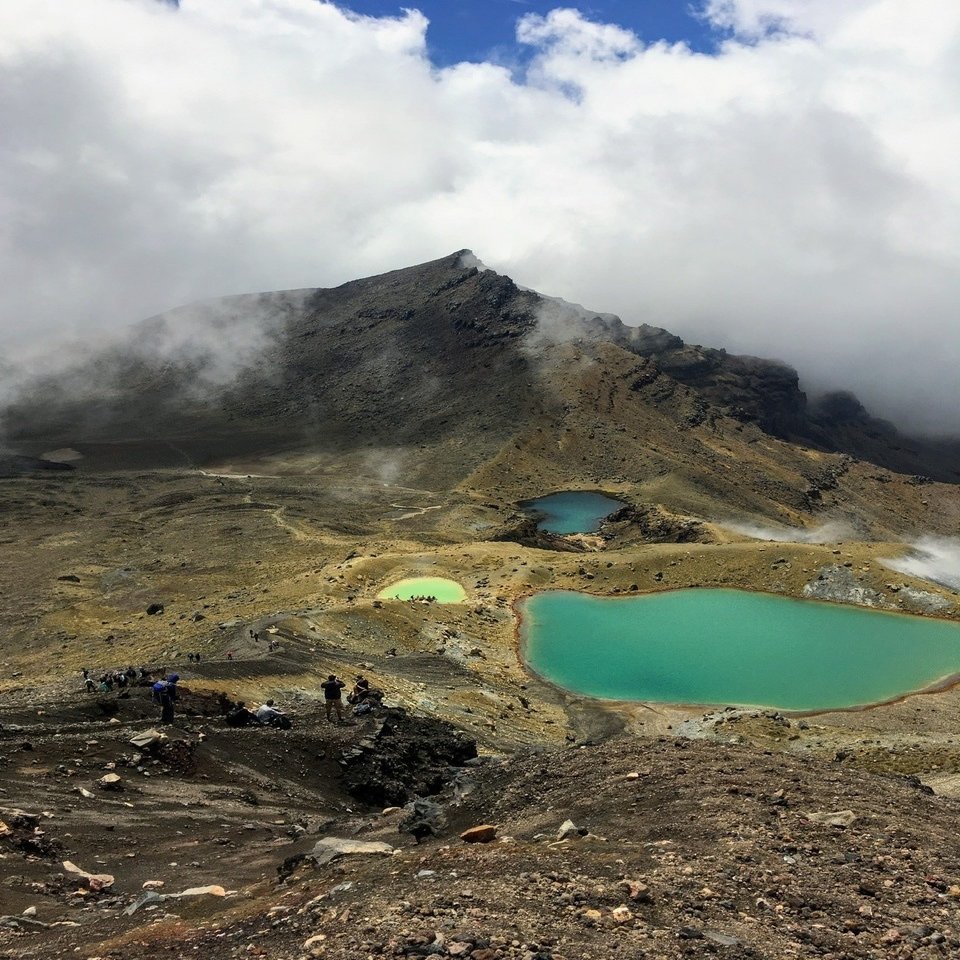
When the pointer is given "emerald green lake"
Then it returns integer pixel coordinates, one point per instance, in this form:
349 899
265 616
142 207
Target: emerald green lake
575 511
733 647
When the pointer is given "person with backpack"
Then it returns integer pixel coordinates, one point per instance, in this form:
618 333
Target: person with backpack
333 697
165 693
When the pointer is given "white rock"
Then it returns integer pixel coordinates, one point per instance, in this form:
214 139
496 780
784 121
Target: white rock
331 848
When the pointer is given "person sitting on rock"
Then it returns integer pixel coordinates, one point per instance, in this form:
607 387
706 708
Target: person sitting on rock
268 712
240 716
333 697
359 691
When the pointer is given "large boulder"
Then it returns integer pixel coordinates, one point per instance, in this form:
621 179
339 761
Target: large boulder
407 756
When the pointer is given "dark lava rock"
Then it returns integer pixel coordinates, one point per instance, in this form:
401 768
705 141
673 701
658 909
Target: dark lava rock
409 756
154 608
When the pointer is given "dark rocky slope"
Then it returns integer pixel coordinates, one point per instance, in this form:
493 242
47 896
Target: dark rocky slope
439 353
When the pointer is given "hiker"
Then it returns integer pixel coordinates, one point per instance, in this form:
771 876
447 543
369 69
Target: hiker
190 657
196 658
364 697
360 689
91 686
270 716
240 716
333 697
166 693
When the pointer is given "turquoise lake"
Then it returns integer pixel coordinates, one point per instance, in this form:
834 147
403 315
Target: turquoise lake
732 647
575 511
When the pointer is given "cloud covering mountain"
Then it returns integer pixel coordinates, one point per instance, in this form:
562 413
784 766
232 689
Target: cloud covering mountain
794 195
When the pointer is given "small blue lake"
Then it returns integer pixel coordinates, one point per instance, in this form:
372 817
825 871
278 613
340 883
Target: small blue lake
574 511
733 647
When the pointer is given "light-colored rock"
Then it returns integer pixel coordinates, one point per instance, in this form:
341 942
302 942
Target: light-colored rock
213 890
637 891
568 829
95 881
152 884
837 818
110 781
147 739
622 914
332 848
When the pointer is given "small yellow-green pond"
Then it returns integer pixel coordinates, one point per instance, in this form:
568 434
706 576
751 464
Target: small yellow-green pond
439 588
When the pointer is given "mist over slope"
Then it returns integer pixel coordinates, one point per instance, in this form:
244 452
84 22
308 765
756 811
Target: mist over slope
445 352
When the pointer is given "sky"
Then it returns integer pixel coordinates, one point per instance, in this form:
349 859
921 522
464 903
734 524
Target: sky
777 177
480 30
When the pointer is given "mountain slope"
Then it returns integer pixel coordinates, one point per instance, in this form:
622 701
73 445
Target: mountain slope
442 355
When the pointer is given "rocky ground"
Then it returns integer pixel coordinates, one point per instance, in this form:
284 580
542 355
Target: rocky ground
695 833
650 848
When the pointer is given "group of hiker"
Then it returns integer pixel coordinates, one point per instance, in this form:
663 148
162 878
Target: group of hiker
113 678
363 698
423 599
268 715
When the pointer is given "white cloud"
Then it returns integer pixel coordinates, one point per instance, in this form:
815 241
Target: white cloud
931 558
795 195
831 532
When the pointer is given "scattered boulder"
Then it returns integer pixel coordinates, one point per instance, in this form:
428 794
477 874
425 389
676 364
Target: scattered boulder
423 819
154 608
332 848
149 897
213 890
638 891
483 833
110 781
838 818
96 882
147 740
569 829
